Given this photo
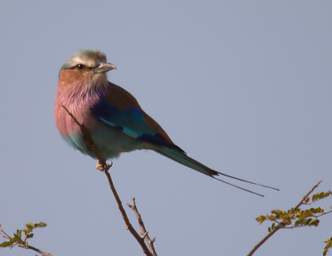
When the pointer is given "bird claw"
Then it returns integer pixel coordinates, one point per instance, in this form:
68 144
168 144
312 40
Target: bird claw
103 166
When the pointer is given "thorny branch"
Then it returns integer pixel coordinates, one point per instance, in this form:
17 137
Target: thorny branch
143 237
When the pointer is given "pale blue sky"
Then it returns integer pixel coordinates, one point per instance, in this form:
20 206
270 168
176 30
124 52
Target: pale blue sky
244 86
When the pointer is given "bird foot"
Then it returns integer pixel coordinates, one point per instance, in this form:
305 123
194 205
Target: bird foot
103 166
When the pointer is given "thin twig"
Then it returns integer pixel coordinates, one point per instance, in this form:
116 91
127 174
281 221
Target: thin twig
143 232
129 226
4 233
324 213
92 147
281 225
30 247
42 253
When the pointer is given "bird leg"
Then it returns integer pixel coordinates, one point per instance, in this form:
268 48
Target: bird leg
102 165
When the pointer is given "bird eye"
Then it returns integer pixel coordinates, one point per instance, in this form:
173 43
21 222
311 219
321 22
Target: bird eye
80 66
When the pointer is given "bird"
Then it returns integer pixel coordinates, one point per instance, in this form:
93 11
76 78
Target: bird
114 119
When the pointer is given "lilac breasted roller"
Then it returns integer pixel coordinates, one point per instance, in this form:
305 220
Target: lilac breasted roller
115 120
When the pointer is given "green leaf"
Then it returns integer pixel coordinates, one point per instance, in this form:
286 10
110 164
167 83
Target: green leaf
18 235
30 235
305 214
277 213
317 210
272 227
299 222
328 246
40 225
315 223
321 195
28 228
7 244
260 219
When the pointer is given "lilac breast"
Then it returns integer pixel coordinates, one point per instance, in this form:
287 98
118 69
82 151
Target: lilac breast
78 102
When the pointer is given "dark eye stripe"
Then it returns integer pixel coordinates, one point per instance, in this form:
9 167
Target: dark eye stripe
81 67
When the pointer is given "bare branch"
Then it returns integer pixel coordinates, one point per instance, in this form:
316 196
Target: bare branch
129 226
143 232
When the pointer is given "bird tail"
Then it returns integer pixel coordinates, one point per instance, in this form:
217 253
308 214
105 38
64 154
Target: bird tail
181 157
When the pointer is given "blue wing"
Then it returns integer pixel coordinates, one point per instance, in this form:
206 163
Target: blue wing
120 110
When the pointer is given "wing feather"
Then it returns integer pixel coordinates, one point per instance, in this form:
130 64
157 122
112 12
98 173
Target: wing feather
120 109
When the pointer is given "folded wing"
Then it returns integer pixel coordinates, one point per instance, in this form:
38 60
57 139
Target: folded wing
119 109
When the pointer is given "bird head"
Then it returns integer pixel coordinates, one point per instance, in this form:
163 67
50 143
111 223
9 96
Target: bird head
86 66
